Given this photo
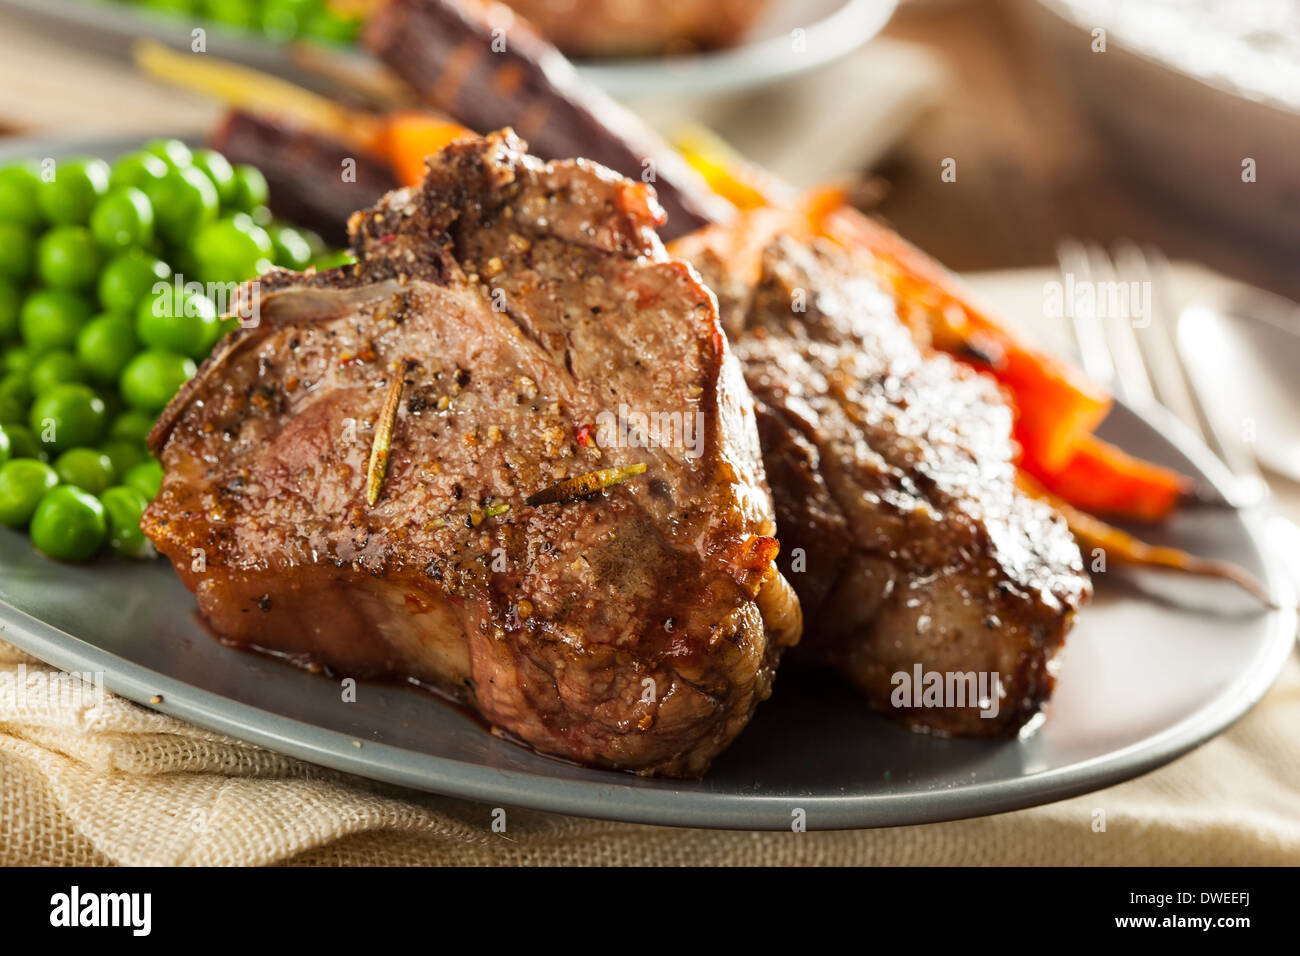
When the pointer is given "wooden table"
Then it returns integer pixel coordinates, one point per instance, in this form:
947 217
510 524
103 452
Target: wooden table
1030 169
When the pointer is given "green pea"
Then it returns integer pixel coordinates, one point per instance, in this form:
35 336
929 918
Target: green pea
146 478
67 416
219 170
232 250
128 278
183 321
16 359
123 507
171 7
67 258
122 219
235 13
282 20
15 251
86 468
329 27
77 185
23 483
19 383
15 397
124 454
151 378
171 151
251 190
55 367
292 250
6 447
183 202
23 443
136 170
69 524
18 185
132 425
11 300
52 319
105 345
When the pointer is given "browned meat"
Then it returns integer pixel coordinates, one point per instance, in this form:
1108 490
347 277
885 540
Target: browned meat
447 51
498 311
639 27
303 169
901 526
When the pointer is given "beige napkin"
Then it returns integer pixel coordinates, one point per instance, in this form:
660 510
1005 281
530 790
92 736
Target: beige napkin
113 782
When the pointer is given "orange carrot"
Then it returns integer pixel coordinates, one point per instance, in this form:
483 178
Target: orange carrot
1103 479
408 136
1057 404
1123 548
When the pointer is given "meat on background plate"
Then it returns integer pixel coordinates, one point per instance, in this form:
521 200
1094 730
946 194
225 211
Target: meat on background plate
496 312
901 525
611 28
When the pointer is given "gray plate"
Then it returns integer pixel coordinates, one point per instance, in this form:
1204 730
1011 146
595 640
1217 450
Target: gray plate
1156 666
829 29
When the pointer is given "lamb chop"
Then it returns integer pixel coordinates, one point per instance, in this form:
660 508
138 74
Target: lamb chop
398 472
901 525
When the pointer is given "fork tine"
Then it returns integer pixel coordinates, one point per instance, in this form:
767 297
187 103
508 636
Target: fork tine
1131 375
1089 338
1159 349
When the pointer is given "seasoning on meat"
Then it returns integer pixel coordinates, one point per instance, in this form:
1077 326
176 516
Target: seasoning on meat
429 585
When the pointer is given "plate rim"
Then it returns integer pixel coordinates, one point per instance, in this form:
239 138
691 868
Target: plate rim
745 66
617 801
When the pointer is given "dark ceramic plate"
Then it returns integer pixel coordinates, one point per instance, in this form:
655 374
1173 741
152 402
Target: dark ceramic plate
1156 666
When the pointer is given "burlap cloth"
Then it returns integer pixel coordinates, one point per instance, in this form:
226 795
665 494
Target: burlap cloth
114 782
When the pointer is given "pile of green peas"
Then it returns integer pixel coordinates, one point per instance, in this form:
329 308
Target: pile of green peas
98 331
280 21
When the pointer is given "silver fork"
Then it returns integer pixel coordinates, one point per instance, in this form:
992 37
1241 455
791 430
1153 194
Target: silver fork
1138 357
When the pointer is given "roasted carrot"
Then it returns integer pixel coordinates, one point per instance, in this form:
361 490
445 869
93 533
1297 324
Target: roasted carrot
408 136
1106 480
1120 547
1057 406
743 185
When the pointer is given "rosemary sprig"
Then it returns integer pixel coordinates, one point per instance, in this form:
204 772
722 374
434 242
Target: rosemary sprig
383 442
579 486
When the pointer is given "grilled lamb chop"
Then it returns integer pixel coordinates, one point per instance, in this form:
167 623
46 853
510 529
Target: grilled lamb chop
497 312
901 526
